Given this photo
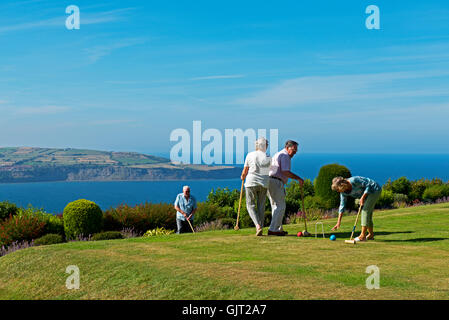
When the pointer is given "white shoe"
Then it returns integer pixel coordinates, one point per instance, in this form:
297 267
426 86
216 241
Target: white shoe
357 239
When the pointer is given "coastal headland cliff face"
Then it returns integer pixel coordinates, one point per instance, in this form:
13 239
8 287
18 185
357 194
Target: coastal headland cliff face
26 164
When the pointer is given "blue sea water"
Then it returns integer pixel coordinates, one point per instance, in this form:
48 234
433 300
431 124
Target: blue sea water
54 196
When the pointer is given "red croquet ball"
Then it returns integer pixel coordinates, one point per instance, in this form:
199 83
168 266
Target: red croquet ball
299 234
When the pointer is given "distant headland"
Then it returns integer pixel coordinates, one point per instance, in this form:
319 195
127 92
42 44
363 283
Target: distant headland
30 164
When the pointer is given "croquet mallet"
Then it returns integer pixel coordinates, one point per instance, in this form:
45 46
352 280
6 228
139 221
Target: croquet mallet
305 233
240 204
352 241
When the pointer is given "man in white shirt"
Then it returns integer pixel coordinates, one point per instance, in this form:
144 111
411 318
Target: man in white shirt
255 171
279 174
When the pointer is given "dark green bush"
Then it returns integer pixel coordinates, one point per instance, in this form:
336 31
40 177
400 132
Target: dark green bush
223 197
7 209
401 185
386 199
417 189
141 217
436 192
48 239
323 183
54 224
107 235
82 217
207 212
227 212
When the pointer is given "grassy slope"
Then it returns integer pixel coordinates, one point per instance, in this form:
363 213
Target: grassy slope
411 250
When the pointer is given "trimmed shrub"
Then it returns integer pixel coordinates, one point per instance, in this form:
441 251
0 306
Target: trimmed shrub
401 185
141 217
7 209
82 217
323 183
385 200
436 192
107 235
48 239
20 228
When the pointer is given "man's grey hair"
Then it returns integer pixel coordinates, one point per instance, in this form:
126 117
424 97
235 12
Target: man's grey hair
261 144
185 188
291 143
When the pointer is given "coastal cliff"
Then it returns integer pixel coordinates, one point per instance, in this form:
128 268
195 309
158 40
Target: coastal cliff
41 164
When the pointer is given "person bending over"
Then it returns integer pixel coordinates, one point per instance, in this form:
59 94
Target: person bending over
368 191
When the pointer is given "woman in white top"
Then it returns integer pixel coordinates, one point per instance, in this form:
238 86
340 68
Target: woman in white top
255 171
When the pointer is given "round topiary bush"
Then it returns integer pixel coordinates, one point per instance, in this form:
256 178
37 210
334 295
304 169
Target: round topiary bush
323 183
82 217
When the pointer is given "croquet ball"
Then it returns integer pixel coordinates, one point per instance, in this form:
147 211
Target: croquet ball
299 234
333 237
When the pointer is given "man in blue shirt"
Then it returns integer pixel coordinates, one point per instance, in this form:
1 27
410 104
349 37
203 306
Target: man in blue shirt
185 206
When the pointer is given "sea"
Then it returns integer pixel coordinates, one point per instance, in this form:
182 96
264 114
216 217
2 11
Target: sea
54 196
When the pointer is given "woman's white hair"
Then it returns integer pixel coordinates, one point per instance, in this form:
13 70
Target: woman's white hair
261 144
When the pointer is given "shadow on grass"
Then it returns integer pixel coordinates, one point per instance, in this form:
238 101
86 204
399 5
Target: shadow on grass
416 240
346 235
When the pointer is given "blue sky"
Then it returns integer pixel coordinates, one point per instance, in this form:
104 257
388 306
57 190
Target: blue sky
136 70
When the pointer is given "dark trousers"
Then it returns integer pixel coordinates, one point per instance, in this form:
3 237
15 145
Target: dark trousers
183 226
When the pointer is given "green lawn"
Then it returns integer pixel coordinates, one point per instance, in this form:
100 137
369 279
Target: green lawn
411 249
